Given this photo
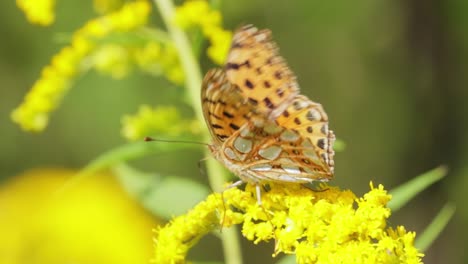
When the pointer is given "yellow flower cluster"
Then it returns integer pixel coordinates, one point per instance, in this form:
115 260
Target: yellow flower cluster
174 241
158 121
160 58
199 13
112 59
47 92
151 56
327 226
39 12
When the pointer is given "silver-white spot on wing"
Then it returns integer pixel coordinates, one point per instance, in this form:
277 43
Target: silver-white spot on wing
243 145
271 152
289 136
261 167
230 154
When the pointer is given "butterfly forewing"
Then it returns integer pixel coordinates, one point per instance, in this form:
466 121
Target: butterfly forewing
223 107
262 75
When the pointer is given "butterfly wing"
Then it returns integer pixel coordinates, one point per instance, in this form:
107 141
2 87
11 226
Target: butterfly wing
222 105
308 119
262 129
262 75
296 147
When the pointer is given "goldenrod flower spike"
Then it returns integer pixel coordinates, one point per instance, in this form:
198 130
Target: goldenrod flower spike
47 92
161 120
330 226
176 238
199 13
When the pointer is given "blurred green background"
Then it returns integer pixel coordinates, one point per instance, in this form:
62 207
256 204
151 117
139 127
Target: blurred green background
392 76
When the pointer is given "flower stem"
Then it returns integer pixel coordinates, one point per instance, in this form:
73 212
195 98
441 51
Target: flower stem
216 173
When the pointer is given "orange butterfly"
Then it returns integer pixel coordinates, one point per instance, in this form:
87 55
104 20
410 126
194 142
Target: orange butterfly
263 130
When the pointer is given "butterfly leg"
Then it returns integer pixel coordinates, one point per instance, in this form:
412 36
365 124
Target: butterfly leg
259 194
236 184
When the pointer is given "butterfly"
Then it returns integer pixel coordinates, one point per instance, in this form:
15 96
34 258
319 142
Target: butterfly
262 129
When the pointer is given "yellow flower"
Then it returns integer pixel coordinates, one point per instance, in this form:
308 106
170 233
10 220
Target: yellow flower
199 13
221 41
90 221
47 92
148 55
159 58
327 226
112 59
39 12
158 121
173 242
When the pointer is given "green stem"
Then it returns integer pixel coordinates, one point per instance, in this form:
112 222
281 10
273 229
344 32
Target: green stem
216 173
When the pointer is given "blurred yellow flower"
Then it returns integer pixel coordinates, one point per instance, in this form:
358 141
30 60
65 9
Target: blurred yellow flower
159 58
330 226
90 221
47 92
40 12
112 59
199 13
161 121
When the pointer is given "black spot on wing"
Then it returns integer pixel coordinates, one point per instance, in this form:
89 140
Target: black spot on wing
222 137
321 143
249 84
253 101
278 75
228 115
234 126
232 66
268 103
280 92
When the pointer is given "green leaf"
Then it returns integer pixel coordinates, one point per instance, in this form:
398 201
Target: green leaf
289 259
132 151
164 196
424 241
405 192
